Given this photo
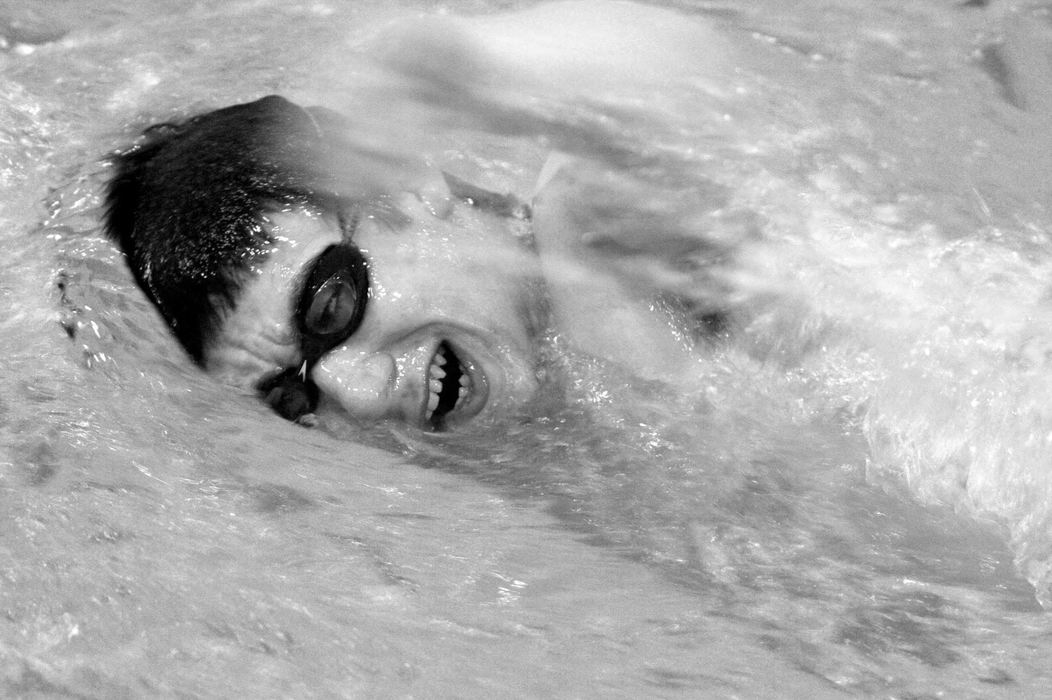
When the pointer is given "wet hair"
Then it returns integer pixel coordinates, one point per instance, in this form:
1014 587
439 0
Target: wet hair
186 204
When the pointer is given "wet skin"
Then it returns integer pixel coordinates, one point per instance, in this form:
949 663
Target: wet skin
446 333
413 298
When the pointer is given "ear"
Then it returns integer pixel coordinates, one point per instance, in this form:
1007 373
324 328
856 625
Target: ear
506 205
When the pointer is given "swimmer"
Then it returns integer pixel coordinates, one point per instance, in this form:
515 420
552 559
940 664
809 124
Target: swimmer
278 277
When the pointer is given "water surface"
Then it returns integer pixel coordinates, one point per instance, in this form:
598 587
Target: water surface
849 496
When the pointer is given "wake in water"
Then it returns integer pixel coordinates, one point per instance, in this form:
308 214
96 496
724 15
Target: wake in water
673 244
826 371
698 187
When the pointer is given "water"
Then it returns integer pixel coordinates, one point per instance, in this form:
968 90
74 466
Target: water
848 495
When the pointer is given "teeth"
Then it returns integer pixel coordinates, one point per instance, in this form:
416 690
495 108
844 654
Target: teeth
437 376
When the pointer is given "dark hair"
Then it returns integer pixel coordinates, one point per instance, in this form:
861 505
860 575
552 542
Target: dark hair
186 204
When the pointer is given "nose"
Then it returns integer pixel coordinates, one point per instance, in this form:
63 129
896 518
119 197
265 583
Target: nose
360 381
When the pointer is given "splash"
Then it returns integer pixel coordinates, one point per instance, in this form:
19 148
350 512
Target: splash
701 179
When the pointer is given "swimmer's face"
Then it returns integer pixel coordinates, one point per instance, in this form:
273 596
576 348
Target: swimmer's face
283 265
442 334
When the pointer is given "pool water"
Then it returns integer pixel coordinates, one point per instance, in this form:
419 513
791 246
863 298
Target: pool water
849 493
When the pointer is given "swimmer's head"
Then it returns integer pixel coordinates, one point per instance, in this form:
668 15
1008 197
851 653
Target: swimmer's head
275 279
187 205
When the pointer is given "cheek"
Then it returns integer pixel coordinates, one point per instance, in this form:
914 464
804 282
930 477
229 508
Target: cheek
468 268
245 350
505 300
486 288
256 336
505 280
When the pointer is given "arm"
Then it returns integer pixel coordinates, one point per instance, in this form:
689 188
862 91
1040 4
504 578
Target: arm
601 311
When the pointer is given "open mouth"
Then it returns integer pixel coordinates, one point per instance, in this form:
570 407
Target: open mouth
450 388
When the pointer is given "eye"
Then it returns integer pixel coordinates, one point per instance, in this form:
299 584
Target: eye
333 308
332 301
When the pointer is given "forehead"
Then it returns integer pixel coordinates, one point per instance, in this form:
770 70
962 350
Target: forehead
257 334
